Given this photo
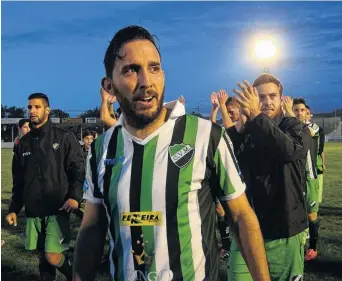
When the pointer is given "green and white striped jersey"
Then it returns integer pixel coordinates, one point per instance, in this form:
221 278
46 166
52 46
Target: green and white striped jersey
311 159
159 196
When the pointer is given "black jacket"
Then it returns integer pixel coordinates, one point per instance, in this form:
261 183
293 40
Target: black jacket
272 156
48 169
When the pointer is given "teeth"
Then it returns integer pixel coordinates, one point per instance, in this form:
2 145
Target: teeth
147 99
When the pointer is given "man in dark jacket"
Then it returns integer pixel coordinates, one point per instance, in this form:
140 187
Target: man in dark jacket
48 174
271 150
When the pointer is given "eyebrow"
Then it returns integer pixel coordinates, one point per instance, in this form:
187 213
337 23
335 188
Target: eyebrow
150 63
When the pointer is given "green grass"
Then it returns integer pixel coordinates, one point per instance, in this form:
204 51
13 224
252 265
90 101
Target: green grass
18 264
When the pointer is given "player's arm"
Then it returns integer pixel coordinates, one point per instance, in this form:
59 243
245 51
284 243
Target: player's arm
91 236
321 146
246 229
75 167
222 98
215 107
90 242
107 108
18 182
286 146
229 188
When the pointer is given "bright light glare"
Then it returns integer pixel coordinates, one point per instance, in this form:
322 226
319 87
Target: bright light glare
264 49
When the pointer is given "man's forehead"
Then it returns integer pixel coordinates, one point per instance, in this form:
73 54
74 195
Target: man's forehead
138 51
268 88
299 106
36 102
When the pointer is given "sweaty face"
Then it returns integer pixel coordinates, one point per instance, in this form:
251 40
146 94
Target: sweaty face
138 82
25 129
87 140
38 111
300 111
233 112
270 99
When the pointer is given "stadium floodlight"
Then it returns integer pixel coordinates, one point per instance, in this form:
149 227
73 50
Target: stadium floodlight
265 49
265 52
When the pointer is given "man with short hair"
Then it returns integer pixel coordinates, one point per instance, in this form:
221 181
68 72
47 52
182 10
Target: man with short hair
48 174
88 138
23 129
320 163
300 109
271 151
155 173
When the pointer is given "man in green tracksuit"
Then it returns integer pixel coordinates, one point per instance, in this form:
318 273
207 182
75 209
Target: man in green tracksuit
271 151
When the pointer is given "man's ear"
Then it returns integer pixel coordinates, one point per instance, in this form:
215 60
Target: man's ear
107 85
48 110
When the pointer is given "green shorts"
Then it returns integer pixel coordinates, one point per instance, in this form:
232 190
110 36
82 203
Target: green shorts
312 195
285 260
320 188
50 234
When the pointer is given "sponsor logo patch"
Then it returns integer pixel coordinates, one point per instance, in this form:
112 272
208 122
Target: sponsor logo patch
26 154
181 154
140 218
55 146
114 161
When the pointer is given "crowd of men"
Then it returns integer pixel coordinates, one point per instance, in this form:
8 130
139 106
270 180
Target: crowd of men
160 180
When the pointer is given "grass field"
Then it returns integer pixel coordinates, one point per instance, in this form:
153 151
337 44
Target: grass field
18 264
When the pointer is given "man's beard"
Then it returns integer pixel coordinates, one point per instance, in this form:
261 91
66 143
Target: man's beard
38 120
139 121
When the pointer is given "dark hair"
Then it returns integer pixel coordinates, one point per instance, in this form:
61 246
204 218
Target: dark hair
232 101
123 36
268 78
299 101
22 122
307 107
39 96
86 133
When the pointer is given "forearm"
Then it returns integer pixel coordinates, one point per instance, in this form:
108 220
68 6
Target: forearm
213 114
252 246
89 249
227 121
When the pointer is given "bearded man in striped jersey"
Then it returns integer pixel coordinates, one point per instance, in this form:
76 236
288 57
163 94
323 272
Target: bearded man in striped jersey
152 179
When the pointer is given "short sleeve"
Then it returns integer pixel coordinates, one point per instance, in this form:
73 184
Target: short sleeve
226 174
91 189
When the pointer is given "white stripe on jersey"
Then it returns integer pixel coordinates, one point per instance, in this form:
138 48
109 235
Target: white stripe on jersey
88 195
101 167
158 196
310 166
233 173
199 167
124 204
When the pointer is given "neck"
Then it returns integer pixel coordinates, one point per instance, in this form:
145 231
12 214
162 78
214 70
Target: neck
37 126
150 128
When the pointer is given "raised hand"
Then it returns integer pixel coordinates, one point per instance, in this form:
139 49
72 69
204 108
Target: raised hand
248 99
107 96
182 100
222 97
214 100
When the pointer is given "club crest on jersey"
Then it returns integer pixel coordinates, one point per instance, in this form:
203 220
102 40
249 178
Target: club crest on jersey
55 146
181 154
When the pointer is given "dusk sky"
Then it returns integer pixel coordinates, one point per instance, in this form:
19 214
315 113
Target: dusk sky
58 48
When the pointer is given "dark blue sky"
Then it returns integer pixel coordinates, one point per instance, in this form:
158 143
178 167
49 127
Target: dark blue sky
58 48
